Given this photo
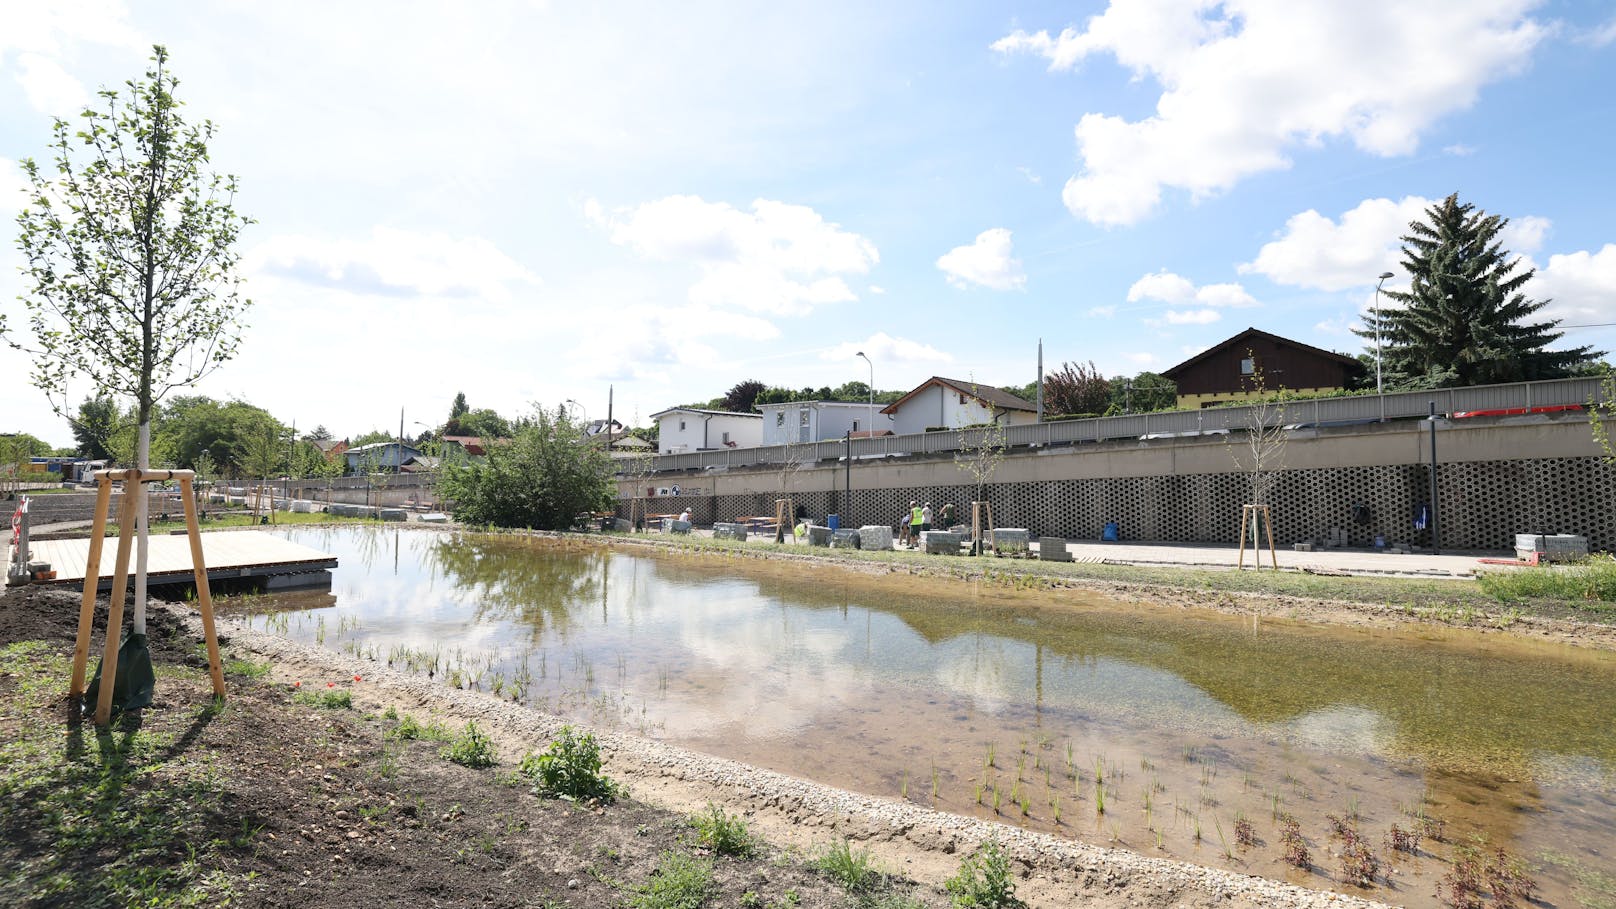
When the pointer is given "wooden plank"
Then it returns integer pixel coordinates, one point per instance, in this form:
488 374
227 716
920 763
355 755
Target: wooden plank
172 554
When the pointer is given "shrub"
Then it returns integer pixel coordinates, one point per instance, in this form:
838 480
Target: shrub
679 882
472 748
725 834
408 730
984 880
569 768
329 699
852 868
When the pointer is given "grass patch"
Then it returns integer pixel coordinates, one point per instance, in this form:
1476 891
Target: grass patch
1591 584
853 868
984 880
680 881
246 668
472 748
724 834
329 699
410 730
101 818
569 768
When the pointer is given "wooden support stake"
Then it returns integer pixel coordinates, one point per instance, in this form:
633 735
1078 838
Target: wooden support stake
1268 520
204 597
120 582
1257 517
92 579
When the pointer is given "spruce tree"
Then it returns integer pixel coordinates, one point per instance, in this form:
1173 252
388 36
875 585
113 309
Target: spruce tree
1464 319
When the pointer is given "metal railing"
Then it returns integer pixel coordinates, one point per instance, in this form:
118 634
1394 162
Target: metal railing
1313 411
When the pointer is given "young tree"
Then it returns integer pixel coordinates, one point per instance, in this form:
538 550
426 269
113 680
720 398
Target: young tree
981 451
1260 453
263 454
793 457
1076 388
543 478
1464 318
129 261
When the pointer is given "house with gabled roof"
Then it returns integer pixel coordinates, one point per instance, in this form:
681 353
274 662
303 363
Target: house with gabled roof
1230 370
940 403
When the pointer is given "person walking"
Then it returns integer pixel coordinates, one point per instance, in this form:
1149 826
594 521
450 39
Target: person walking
925 518
916 518
948 516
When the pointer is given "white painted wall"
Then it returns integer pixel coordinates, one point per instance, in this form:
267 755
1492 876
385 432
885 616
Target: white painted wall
826 420
685 430
941 406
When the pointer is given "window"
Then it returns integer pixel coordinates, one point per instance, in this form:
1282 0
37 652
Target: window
855 426
681 425
962 397
1248 366
780 418
726 438
802 417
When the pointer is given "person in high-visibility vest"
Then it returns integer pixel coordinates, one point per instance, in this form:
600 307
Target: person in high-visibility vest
916 518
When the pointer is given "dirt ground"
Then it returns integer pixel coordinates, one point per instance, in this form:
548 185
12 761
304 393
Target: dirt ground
271 802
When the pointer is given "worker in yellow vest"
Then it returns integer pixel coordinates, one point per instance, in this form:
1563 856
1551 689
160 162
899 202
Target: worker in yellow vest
916 517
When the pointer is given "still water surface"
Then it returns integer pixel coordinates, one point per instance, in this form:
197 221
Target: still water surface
1056 704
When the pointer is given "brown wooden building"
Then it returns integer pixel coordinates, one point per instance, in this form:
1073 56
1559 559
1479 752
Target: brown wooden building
1228 371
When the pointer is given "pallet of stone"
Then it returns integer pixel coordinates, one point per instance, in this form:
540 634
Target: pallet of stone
818 535
725 530
1012 542
392 514
1053 549
674 525
875 536
846 538
941 542
1551 547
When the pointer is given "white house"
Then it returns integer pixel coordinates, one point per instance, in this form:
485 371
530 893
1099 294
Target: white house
952 404
817 421
692 429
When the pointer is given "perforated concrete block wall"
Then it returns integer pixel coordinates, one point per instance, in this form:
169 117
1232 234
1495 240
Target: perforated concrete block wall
1484 503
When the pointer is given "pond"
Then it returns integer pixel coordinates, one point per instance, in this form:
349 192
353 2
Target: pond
1159 729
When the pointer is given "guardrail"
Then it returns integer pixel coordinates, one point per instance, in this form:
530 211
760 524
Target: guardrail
1314 411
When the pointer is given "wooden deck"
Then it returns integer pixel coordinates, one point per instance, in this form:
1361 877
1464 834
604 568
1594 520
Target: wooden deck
228 554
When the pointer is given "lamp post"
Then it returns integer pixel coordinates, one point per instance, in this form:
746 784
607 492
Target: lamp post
580 409
1383 277
871 427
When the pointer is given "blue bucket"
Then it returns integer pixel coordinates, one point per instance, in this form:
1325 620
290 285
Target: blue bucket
833 521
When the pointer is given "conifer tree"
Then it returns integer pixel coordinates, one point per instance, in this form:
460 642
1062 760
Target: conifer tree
1464 319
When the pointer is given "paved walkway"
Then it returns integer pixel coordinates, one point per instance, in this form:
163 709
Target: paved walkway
1351 561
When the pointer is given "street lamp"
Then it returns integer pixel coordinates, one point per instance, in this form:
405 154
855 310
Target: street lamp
1382 280
871 427
579 406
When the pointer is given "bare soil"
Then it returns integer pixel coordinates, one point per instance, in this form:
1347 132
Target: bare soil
309 807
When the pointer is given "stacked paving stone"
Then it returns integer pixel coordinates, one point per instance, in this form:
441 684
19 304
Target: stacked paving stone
941 542
818 536
393 514
846 538
674 525
1011 541
727 531
1053 549
875 536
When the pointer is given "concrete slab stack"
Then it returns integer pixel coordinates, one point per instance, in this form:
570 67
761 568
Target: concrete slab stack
1053 549
728 531
875 536
818 536
846 538
1011 541
941 542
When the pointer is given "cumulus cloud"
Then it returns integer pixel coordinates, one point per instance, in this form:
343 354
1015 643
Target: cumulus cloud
1581 285
392 262
775 258
987 262
1599 36
1244 82
38 34
883 348
1317 252
1175 290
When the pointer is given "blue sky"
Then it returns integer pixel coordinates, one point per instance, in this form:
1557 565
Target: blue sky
528 202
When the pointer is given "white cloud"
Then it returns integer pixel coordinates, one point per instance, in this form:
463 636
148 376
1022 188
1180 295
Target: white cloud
1459 150
1600 36
1141 359
1314 251
12 184
884 349
1175 290
1102 311
49 88
1192 316
989 262
776 258
39 34
1581 285
1244 82
392 262
875 290
1031 175
1525 235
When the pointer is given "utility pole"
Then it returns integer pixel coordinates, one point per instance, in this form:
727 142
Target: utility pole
1436 508
847 500
398 462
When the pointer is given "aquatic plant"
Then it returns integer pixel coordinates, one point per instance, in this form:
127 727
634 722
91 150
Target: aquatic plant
1295 845
1400 840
